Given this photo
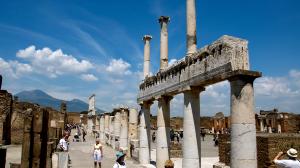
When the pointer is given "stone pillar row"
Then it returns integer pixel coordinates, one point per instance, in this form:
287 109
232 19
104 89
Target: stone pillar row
114 128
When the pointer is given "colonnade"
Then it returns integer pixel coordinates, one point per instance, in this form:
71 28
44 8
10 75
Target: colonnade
118 128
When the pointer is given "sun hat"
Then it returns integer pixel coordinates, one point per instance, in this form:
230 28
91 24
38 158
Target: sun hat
120 154
292 153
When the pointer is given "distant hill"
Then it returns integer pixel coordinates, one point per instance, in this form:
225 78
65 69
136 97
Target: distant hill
43 99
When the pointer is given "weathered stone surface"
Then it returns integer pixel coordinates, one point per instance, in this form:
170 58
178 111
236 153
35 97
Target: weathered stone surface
223 59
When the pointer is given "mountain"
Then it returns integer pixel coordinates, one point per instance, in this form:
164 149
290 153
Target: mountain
43 99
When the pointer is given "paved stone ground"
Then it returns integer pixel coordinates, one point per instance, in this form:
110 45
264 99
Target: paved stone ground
81 155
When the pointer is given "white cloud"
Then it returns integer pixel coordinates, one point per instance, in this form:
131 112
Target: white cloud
88 77
172 61
53 63
14 69
118 67
294 74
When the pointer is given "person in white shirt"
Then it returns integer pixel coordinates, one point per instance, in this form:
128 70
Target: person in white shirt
63 142
291 162
120 163
98 153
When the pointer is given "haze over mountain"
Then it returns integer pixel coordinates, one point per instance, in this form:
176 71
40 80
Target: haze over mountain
43 99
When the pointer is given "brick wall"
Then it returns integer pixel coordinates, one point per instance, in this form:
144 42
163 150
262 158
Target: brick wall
268 146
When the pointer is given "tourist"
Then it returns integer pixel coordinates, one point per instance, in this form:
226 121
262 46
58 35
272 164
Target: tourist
153 137
98 153
291 162
63 143
120 163
83 134
169 164
203 134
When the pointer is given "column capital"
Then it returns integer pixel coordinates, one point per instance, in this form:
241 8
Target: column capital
248 76
164 19
149 102
167 97
147 38
195 89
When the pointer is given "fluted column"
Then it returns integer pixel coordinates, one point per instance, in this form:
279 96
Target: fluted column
191 128
163 131
133 130
243 126
146 40
164 20
191 39
111 130
144 134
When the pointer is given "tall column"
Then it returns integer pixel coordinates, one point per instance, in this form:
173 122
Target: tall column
144 134
133 131
106 127
243 128
117 129
111 130
146 40
164 20
191 128
261 125
191 39
163 131
124 129
102 125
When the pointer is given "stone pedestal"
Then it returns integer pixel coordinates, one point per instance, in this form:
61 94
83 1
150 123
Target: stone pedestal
124 129
191 129
243 128
163 132
144 134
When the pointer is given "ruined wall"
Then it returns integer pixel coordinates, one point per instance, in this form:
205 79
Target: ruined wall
5 117
73 117
268 146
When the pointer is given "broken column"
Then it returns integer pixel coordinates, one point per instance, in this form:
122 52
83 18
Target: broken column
243 128
163 131
124 129
117 129
191 128
164 20
191 39
261 125
102 125
146 40
144 134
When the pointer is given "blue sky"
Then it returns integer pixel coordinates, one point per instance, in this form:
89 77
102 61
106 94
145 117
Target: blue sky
72 49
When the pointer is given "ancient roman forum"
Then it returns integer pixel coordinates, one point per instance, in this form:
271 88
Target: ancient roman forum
225 59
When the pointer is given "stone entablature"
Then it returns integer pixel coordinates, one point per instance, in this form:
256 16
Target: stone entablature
211 64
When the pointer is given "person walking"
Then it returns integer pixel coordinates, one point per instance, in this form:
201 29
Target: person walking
98 153
63 143
120 163
83 134
291 162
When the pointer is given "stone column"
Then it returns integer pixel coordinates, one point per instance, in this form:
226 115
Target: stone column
270 129
163 131
133 131
164 20
106 127
144 134
102 125
191 39
261 125
117 129
279 128
191 128
124 129
146 40
111 130
243 128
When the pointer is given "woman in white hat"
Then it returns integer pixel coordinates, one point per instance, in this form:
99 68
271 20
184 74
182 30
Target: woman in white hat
292 162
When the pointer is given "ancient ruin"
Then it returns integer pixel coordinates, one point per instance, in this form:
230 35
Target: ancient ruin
225 59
